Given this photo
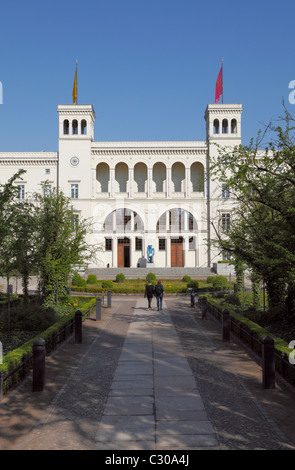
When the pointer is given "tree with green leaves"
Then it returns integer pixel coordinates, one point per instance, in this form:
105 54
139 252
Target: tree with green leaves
61 243
8 196
24 232
262 232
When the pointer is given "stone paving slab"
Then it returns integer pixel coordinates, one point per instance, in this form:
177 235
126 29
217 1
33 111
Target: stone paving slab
173 406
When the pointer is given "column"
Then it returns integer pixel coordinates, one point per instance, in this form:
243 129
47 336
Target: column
132 251
150 178
112 182
185 248
187 182
197 262
168 252
115 251
131 173
168 182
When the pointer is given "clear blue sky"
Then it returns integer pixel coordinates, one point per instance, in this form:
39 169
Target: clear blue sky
148 67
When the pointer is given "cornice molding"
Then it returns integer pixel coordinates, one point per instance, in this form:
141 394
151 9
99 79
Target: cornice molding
76 110
28 158
15 162
158 151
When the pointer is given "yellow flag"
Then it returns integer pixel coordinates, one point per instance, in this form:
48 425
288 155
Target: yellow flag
75 92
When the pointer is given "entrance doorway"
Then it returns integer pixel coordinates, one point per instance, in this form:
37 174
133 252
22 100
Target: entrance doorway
123 253
177 252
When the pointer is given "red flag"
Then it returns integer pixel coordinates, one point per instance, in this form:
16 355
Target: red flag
218 88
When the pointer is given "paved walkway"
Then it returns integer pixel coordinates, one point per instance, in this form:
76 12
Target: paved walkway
154 402
149 380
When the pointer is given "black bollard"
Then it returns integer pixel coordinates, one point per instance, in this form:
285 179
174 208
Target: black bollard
192 299
268 362
109 298
78 327
98 308
225 325
204 308
39 365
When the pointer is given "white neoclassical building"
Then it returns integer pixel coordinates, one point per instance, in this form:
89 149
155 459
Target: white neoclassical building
151 203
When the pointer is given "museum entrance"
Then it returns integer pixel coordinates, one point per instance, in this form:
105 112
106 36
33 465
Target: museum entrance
177 252
124 252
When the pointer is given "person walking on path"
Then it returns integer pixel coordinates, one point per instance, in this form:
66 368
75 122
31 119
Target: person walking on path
159 293
149 293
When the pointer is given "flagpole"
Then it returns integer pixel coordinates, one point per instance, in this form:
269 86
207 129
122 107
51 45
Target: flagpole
222 78
77 80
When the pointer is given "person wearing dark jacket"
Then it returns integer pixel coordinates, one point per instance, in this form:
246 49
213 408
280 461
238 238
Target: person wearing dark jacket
159 293
149 293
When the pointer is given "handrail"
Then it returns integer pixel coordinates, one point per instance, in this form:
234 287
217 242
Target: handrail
282 364
50 345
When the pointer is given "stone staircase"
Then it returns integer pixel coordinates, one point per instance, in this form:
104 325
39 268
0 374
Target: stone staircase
139 273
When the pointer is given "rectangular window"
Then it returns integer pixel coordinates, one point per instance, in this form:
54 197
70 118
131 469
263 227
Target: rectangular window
108 244
191 243
138 244
225 191
47 190
162 244
74 191
75 221
47 171
226 255
225 222
21 191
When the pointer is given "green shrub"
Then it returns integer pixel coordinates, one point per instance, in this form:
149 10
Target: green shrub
233 299
78 281
107 284
120 277
31 317
57 332
220 281
92 279
151 277
193 284
186 278
210 279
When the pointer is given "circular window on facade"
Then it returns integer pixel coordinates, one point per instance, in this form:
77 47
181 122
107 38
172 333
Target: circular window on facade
74 161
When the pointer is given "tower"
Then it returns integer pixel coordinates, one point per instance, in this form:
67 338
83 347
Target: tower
223 130
76 133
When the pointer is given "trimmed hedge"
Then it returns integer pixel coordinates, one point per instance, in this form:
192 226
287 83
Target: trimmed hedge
252 333
78 280
169 289
52 336
91 279
120 277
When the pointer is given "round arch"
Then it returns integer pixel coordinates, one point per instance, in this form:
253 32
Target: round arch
178 177
103 177
177 220
197 176
123 220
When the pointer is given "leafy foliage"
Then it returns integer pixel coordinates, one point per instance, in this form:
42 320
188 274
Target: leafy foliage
41 235
262 232
120 277
91 279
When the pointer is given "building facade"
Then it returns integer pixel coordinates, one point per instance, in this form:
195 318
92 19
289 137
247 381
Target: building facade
150 203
